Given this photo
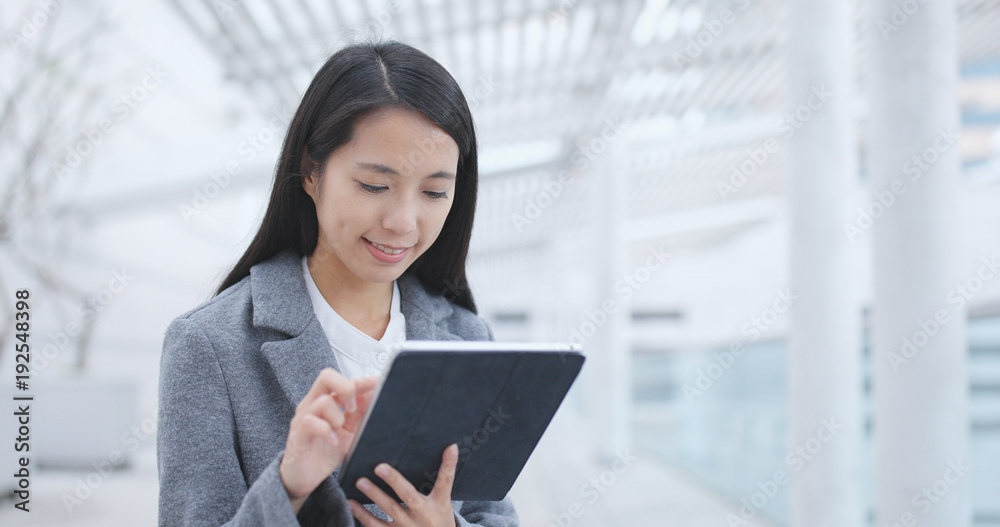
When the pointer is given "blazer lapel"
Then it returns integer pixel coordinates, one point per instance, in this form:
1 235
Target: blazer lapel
281 303
425 314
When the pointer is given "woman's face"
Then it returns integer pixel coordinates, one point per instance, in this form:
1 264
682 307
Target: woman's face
382 198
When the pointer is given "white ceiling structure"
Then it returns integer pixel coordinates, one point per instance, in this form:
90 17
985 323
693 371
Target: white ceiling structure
691 87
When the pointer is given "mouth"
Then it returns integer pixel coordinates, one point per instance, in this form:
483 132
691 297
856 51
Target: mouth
387 249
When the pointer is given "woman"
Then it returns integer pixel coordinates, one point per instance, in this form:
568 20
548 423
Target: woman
364 243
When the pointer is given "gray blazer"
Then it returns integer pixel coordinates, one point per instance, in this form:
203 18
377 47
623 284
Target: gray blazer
231 374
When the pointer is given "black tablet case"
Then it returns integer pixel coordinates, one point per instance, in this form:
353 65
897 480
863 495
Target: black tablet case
430 399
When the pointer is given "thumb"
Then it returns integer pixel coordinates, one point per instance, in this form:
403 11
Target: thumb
446 474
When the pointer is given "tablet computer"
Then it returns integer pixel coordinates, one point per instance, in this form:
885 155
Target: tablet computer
495 399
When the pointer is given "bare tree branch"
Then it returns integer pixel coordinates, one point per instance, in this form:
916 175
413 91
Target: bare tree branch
50 86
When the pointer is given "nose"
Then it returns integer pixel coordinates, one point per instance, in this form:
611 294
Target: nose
401 217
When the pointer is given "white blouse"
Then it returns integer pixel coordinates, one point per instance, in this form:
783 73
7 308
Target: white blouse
358 354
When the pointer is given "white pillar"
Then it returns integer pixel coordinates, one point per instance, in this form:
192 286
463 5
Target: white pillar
921 415
610 354
825 340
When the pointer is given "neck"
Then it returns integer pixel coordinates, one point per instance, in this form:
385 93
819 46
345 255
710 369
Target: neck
363 304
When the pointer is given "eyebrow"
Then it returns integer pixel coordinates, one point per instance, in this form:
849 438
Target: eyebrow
382 169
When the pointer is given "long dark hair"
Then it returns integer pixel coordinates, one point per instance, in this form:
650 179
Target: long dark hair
354 82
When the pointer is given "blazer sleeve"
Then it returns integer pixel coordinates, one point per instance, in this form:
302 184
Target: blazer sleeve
201 481
487 513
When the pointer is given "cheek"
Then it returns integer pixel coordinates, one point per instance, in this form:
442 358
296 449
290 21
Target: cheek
339 218
351 224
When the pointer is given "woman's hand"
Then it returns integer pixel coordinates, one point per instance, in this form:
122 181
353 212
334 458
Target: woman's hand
320 433
433 510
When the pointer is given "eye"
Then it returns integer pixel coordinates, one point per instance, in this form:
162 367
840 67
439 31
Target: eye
372 189
436 195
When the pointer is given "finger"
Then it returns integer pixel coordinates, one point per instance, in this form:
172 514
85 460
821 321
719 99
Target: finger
363 384
364 394
330 381
366 518
365 390
352 421
380 498
329 409
412 498
316 427
366 387
446 474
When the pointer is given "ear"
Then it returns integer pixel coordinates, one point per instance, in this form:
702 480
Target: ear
309 177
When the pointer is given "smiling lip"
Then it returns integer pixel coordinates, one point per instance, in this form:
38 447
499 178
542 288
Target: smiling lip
383 256
390 247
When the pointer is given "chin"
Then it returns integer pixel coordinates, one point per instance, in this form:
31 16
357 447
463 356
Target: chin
382 276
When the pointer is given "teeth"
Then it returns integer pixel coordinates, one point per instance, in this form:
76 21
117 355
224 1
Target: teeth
385 249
